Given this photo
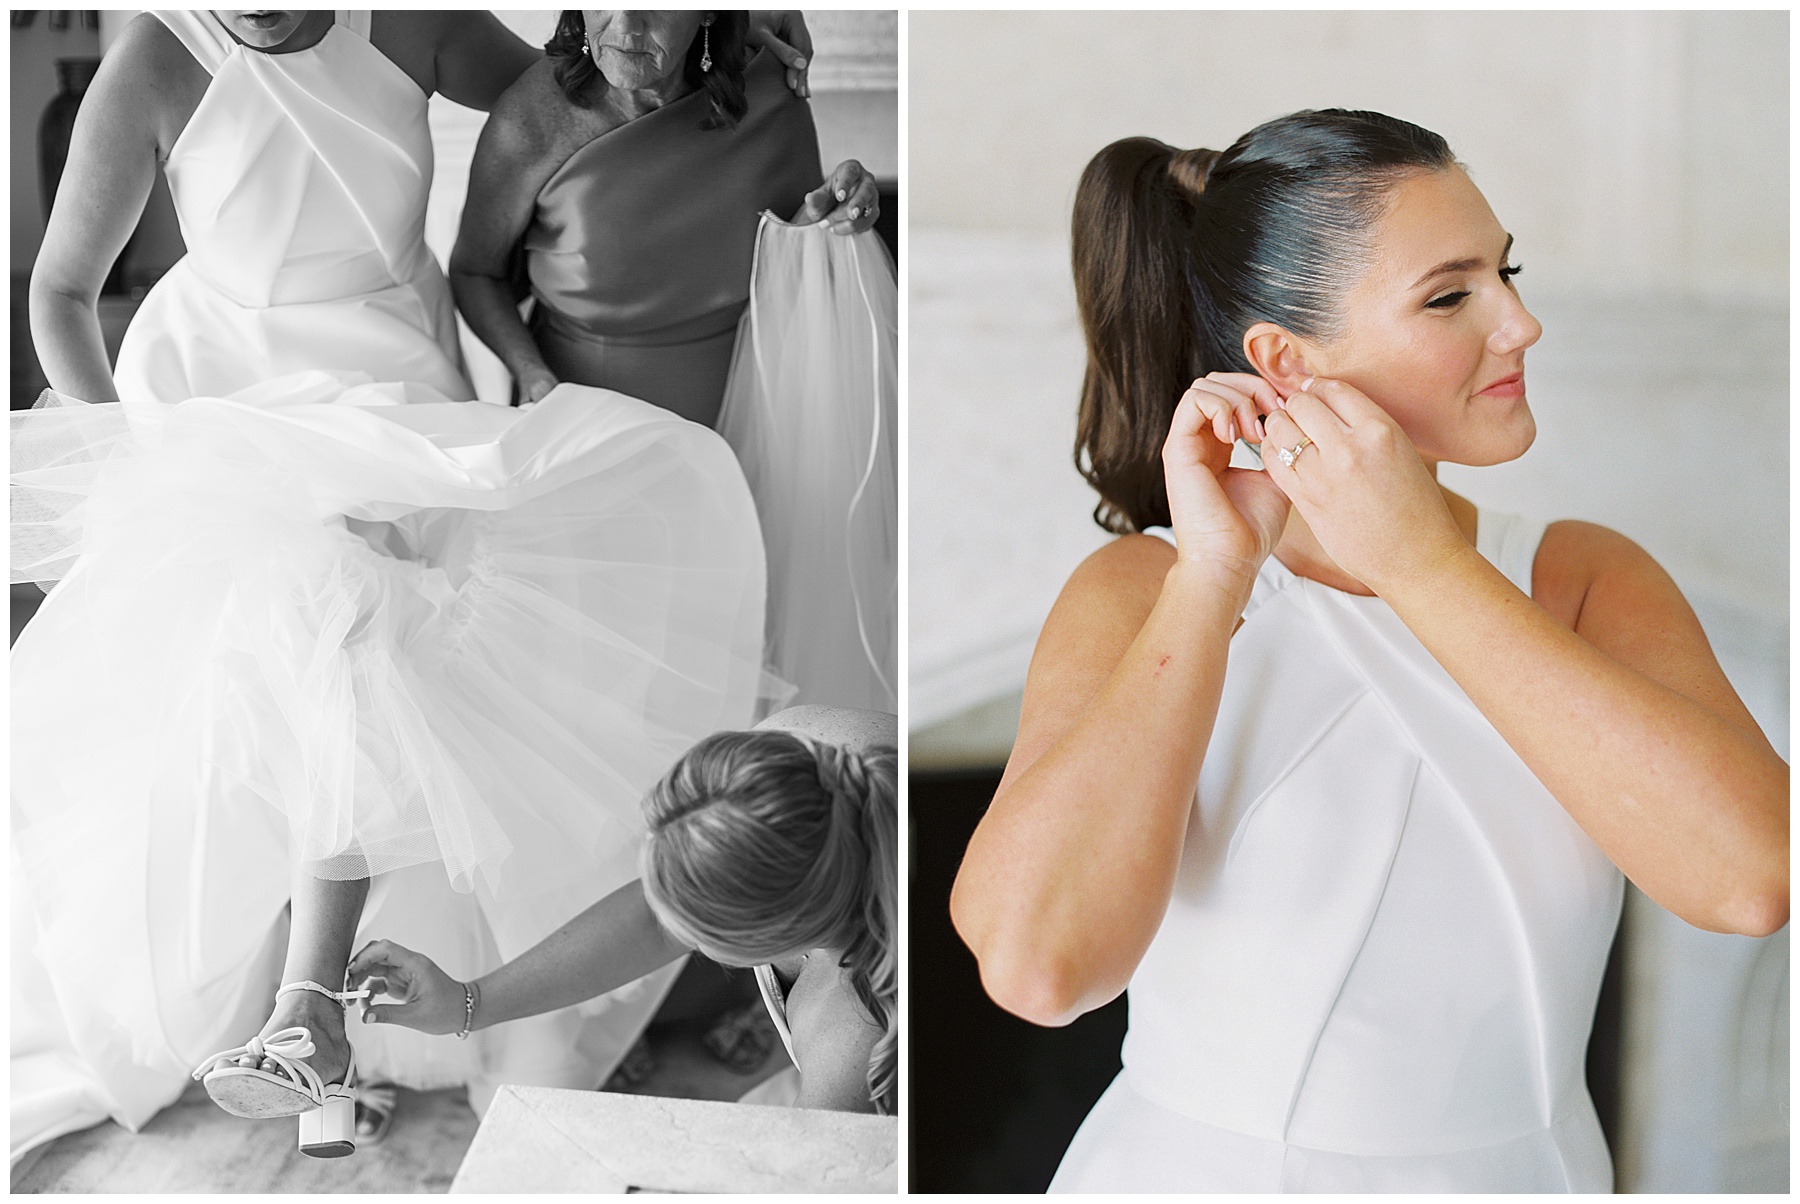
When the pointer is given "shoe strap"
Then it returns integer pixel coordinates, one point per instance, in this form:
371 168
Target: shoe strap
283 1047
343 997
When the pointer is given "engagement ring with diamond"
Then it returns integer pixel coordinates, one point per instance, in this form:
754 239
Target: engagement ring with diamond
1288 455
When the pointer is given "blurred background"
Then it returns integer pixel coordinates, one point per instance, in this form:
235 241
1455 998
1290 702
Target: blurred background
1641 161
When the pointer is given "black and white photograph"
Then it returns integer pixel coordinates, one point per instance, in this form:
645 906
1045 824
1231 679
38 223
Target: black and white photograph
455 608
1348 601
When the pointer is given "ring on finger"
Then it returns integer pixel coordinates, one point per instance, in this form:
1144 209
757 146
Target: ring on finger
1287 455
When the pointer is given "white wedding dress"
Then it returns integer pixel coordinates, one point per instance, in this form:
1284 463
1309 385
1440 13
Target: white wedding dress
313 607
810 408
1379 967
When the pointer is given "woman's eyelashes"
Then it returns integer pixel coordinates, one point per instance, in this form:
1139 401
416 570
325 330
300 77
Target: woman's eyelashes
1452 300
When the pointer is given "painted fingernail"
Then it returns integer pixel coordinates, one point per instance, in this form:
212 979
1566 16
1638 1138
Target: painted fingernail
824 223
800 64
842 194
855 212
1307 383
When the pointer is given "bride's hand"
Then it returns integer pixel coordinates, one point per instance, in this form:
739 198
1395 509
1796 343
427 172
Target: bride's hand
847 202
430 1000
1224 518
1360 485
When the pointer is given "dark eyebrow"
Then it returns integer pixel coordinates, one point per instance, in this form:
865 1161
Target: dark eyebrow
1462 265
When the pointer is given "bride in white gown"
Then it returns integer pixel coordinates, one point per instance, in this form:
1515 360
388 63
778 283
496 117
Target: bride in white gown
322 628
1332 772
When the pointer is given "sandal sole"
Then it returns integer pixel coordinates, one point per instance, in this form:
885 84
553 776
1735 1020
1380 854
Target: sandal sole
255 1094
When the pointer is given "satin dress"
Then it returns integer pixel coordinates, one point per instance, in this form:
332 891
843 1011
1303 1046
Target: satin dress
640 248
1379 966
311 607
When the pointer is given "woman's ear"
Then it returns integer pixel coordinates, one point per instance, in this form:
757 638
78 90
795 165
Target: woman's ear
1277 356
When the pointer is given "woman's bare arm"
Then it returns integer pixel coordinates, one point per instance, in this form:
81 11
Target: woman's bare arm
1615 703
467 56
1067 877
1069 873
113 154
616 941
478 58
1622 711
513 160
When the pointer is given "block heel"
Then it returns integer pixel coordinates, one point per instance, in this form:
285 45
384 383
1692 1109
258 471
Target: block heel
329 1131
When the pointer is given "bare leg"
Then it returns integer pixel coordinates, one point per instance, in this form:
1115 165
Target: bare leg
325 915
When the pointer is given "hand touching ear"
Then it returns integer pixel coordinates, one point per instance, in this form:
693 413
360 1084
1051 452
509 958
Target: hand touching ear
1231 517
1361 486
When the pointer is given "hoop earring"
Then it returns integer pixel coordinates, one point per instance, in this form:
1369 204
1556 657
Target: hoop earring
705 48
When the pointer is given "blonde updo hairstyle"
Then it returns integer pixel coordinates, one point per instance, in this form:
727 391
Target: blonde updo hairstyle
767 843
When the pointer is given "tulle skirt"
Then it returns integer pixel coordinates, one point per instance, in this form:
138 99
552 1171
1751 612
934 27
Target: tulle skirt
810 410
446 645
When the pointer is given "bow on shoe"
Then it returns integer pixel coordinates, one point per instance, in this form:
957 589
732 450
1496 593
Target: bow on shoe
283 1047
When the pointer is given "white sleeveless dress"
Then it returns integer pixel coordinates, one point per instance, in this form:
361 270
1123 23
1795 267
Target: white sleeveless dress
1379 966
314 607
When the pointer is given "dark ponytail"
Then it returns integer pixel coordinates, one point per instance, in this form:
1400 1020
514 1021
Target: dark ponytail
1177 253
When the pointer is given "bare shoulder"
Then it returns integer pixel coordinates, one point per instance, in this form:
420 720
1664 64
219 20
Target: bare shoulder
147 45
838 725
148 80
1613 594
533 118
833 1038
1102 607
1576 556
1116 586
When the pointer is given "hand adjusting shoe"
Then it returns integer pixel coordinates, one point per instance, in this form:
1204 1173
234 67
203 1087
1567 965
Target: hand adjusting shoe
327 1111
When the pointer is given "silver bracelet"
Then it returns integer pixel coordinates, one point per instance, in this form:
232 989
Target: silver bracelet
468 1010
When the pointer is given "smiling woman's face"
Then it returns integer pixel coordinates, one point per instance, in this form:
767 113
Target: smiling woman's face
1435 333
637 49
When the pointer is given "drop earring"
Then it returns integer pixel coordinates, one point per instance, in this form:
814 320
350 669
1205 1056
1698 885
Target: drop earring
706 47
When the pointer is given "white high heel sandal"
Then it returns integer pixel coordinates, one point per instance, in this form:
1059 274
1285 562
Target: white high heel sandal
327 1111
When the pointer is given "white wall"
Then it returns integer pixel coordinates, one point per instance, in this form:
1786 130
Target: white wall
1627 151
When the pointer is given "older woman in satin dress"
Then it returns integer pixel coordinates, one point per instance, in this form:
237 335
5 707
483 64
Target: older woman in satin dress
629 169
